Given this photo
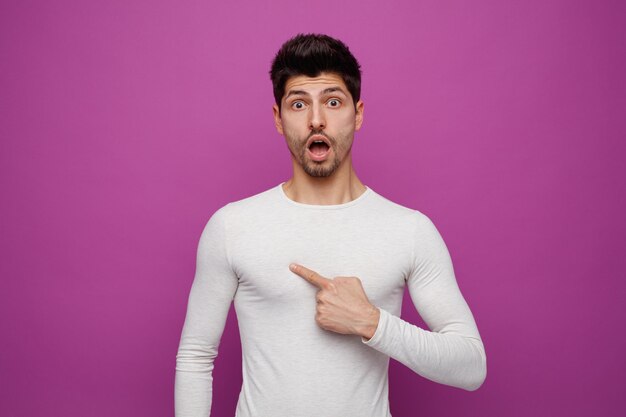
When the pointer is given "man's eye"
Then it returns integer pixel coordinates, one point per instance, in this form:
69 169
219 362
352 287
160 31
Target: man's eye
334 103
297 105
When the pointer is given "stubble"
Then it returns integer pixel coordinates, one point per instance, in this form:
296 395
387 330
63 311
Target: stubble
313 168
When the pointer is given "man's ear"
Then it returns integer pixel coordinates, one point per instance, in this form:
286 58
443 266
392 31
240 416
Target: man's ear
277 120
358 117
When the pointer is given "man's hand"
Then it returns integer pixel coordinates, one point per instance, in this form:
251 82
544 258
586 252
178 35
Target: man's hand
342 305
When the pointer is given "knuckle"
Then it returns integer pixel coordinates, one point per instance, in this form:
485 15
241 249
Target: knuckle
322 323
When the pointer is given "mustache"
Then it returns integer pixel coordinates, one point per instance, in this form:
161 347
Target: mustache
320 133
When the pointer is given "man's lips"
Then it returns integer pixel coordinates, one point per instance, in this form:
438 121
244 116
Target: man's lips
315 152
318 137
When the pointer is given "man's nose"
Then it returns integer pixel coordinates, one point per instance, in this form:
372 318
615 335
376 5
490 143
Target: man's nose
317 119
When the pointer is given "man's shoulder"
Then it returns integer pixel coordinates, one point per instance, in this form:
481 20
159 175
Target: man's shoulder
263 200
268 196
392 209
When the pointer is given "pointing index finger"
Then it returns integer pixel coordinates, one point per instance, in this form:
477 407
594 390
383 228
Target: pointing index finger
311 276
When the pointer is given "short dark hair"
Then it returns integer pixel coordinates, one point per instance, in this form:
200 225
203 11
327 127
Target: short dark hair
310 55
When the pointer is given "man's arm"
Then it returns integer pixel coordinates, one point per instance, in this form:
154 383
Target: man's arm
452 353
211 294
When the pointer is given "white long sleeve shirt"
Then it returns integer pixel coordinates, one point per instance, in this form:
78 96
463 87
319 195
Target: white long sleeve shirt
292 367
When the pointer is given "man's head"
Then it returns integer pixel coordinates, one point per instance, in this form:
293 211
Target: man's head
317 85
311 55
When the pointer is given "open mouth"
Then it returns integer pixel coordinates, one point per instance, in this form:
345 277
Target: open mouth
319 147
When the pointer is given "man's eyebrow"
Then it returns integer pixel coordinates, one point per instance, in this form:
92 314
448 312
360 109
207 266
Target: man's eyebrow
333 90
296 93
304 93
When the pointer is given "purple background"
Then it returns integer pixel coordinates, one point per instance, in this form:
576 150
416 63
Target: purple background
125 125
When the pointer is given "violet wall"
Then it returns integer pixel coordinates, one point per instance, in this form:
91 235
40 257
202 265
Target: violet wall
125 124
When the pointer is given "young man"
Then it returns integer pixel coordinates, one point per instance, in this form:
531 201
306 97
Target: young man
317 267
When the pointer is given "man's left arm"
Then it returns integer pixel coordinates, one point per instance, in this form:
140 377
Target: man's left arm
451 353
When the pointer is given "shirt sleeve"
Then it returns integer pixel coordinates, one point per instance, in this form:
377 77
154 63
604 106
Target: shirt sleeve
211 294
452 352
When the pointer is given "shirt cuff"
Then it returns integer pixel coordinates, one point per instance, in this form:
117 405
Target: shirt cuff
382 324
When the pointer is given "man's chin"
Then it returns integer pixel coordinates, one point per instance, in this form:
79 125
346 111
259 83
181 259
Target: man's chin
319 170
319 174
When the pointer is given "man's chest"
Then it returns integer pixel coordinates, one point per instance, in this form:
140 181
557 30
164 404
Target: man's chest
261 256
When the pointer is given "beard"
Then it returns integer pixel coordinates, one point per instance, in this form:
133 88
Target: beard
317 169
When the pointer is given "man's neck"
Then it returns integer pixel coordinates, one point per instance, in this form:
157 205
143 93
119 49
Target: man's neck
339 188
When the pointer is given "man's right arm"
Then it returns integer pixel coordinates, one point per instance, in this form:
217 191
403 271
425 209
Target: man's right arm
211 294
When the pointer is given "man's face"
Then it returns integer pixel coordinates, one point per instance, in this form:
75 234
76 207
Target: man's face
318 119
